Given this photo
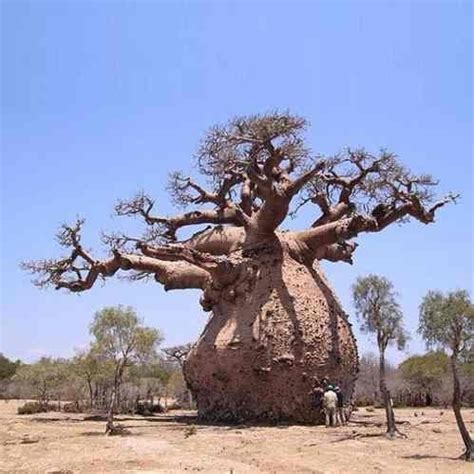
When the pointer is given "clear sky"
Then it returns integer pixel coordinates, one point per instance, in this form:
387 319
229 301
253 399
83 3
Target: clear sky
103 98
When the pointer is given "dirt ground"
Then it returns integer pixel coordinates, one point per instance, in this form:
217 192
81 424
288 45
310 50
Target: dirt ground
65 443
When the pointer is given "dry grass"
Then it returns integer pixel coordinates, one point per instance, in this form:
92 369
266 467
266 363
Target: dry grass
64 443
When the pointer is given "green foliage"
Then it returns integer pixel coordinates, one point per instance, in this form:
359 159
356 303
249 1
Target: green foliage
44 376
119 334
447 321
425 371
7 367
378 310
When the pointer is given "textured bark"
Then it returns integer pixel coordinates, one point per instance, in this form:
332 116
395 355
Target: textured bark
263 352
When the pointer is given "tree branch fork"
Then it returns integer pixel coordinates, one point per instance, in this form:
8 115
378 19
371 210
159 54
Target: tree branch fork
259 168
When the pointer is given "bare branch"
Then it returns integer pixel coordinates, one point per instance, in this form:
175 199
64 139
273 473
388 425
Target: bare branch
166 227
79 271
382 215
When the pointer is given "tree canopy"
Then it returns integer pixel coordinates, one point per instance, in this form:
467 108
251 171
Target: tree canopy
259 171
7 367
378 310
425 371
119 335
447 321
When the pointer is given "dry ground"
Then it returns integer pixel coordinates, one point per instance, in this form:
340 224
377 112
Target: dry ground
65 443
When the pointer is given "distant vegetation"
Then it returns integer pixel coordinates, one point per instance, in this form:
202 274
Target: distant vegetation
124 371
145 381
420 380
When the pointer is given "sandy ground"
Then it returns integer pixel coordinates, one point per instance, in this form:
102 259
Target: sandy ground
65 443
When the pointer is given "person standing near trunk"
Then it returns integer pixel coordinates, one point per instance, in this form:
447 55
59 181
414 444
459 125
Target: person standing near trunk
340 415
330 406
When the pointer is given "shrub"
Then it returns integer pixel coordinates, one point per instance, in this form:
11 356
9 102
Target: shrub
30 408
72 407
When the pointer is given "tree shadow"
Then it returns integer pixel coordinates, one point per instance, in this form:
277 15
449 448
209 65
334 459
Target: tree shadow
430 456
359 436
44 419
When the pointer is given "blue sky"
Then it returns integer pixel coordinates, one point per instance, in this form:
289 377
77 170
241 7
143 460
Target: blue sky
103 98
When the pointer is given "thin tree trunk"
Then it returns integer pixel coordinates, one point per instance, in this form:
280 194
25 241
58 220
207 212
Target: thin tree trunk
91 393
190 399
391 427
466 437
109 427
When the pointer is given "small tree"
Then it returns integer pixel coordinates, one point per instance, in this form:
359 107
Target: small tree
447 321
121 338
87 366
179 354
380 314
44 377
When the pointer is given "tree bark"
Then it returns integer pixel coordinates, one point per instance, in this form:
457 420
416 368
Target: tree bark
109 427
269 342
91 393
466 437
391 427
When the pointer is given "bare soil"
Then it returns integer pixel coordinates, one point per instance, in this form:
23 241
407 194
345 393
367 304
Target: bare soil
175 442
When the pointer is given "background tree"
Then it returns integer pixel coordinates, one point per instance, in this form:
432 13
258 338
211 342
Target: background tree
179 354
263 285
45 378
426 374
120 338
447 321
367 389
89 367
151 379
7 367
379 313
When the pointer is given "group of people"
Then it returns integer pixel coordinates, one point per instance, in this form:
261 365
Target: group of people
331 398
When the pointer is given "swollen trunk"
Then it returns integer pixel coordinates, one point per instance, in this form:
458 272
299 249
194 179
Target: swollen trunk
269 342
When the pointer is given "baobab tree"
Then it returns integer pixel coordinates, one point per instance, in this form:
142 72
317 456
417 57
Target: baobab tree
276 327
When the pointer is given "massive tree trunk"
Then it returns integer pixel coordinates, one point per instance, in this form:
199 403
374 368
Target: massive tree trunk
264 350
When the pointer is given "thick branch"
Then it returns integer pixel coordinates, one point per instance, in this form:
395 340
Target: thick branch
218 240
80 271
173 275
340 252
382 216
